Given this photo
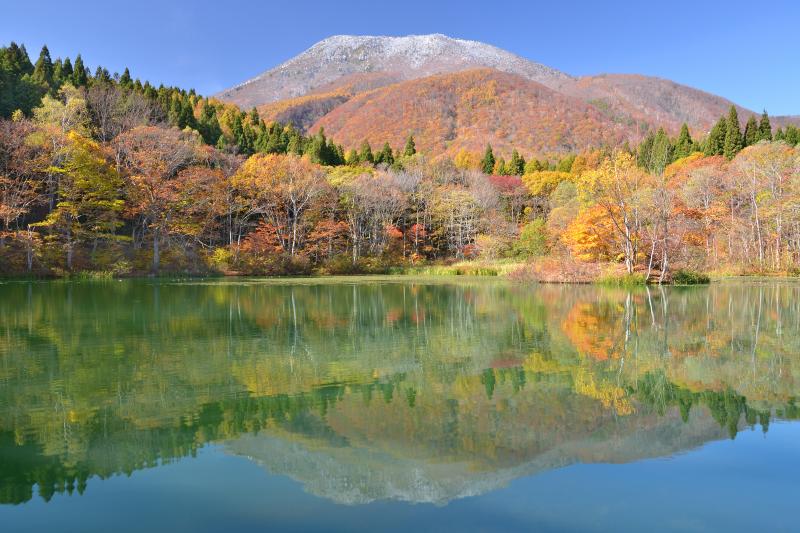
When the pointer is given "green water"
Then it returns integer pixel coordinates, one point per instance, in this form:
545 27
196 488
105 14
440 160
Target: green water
397 404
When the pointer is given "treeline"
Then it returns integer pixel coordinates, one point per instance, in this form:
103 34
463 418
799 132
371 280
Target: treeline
115 101
103 173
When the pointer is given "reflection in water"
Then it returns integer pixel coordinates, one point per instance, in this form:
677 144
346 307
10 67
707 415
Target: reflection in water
365 390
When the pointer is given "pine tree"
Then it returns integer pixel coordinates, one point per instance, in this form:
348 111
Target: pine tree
751 131
500 167
764 128
488 161
411 147
733 135
517 164
79 78
684 145
779 136
715 144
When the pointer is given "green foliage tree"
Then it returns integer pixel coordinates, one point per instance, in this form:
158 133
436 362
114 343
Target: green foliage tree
684 144
517 164
752 133
715 144
43 70
410 148
488 161
764 128
79 77
733 135
532 241
385 156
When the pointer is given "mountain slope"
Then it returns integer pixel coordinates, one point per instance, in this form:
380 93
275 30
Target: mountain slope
650 100
406 58
465 110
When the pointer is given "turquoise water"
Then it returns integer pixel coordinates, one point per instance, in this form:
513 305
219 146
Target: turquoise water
397 404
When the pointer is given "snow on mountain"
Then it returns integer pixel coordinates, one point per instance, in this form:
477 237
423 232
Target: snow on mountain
409 57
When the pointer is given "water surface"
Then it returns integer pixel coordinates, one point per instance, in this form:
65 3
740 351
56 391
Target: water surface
396 404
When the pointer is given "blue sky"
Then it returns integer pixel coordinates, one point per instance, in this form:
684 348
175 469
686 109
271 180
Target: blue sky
746 51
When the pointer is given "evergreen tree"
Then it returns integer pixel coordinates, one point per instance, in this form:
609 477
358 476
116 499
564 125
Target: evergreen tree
751 131
411 147
125 79
764 128
661 154
644 156
79 78
715 144
43 69
733 135
365 154
779 135
791 135
58 73
66 70
500 167
255 119
517 164
488 161
385 155
684 145
208 124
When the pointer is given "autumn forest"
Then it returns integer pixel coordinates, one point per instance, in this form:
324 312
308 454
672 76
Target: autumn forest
104 175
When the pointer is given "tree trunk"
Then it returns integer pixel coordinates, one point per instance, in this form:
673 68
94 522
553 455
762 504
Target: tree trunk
156 254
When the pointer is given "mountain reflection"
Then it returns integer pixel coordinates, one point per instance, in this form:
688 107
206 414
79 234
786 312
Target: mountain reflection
364 390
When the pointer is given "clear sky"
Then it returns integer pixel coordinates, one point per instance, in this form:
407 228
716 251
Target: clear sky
746 51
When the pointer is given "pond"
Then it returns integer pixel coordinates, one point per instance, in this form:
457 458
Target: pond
398 404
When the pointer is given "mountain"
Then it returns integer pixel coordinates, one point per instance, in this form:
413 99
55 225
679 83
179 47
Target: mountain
465 110
405 58
383 88
650 100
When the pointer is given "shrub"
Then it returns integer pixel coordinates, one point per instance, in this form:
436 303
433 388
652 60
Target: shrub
689 277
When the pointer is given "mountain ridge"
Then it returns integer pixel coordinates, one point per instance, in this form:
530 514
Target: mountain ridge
316 88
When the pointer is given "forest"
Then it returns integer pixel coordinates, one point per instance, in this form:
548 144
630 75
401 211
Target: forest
102 174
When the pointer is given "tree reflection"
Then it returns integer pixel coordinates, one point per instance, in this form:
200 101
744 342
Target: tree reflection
104 379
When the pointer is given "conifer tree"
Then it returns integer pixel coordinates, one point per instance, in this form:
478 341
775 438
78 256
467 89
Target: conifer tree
715 144
684 145
66 70
661 154
779 135
733 135
79 78
517 164
488 161
410 148
365 154
644 156
125 79
43 69
385 155
500 167
764 128
751 131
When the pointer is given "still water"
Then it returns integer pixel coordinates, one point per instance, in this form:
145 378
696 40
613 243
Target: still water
398 404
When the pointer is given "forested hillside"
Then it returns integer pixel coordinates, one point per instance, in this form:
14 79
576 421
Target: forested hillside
103 173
